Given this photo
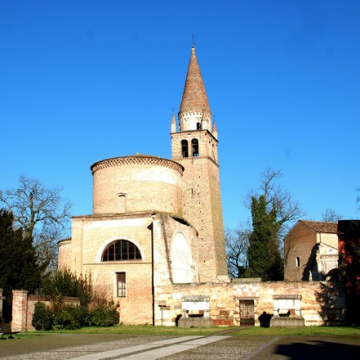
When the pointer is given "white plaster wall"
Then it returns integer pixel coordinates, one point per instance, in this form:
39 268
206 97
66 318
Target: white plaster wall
181 260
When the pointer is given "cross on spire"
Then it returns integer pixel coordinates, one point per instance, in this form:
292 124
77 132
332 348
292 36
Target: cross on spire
193 40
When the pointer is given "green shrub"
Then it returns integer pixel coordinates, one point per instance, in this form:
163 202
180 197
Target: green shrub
42 318
63 283
70 317
102 316
94 309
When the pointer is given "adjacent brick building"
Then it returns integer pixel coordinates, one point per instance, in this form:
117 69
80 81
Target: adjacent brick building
349 265
311 250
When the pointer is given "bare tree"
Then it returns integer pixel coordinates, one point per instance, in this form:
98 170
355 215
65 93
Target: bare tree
287 209
237 242
41 213
331 216
277 205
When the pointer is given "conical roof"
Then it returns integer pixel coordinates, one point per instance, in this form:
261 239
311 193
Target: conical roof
194 96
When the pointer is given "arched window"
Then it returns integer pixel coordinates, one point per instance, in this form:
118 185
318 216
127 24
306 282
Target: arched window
198 126
195 147
184 148
121 250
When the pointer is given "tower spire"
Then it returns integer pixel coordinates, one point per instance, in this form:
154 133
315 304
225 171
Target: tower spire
194 111
195 147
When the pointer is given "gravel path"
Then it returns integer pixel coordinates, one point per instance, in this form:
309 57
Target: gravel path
69 346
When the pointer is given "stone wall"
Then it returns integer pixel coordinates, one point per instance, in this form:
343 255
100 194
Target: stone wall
225 298
165 231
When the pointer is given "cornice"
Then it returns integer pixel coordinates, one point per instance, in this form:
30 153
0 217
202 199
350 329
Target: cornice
137 160
114 216
194 132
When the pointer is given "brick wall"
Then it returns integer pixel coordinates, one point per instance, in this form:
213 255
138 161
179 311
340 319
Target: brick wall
147 183
64 253
33 299
19 310
1 301
202 200
298 244
91 235
23 307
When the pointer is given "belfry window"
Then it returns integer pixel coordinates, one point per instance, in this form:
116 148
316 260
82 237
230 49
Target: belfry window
121 250
184 148
195 147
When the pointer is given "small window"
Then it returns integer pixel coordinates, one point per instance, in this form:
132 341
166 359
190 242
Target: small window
121 203
121 250
184 148
195 147
121 284
198 126
297 262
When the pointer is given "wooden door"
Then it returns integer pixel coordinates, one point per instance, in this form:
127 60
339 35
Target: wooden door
247 313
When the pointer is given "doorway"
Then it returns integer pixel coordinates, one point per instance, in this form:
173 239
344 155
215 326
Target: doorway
247 313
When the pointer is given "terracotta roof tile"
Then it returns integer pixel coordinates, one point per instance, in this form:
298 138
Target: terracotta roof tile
321 226
194 97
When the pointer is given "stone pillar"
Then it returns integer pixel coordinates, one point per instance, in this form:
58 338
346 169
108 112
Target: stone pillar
1 300
19 310
185 313
276 308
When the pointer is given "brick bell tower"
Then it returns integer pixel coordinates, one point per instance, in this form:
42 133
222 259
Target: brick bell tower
195 146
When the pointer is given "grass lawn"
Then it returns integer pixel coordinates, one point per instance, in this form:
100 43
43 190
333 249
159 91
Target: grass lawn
301 331
176 331
139 330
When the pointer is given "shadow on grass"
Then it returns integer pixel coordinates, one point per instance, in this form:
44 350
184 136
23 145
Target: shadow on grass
314 349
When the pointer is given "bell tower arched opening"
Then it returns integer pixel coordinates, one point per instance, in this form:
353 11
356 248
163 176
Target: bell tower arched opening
195 147
184 148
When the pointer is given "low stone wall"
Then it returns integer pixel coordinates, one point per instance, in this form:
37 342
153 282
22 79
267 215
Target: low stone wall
23 306
225 300
318 303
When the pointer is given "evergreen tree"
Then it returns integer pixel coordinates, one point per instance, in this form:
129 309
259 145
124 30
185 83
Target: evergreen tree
271 211
264 259
62 283
18 262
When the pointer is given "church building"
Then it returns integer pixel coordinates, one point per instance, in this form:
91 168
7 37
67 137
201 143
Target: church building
156 223
154 243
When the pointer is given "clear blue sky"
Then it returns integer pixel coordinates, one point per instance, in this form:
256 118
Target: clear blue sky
85 80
